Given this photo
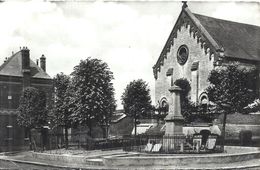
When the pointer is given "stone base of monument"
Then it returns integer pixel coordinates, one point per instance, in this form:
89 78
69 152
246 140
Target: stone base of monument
173 143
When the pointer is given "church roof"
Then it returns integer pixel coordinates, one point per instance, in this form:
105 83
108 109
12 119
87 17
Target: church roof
239 40
13 67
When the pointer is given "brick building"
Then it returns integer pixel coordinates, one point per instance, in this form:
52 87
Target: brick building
16 73
196 45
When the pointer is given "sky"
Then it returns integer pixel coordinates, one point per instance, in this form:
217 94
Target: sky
127 35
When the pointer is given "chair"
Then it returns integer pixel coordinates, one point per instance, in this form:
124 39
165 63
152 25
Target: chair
205 134
196 142
157 147
148 147
211 142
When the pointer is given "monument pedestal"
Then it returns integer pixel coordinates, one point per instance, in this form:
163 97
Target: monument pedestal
173 143
174 139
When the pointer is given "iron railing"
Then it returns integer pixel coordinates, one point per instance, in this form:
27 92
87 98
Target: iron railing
173 144
141 143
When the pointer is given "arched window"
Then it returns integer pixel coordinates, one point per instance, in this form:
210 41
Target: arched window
204 101
164 106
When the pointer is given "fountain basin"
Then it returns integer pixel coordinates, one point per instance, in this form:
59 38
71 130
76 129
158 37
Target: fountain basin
232 154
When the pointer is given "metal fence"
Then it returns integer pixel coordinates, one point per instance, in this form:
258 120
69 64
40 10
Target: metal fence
174 144
141 143
76 141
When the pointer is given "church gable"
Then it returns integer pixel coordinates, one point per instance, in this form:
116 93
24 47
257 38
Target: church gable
220 38
196 45
188 20
188 57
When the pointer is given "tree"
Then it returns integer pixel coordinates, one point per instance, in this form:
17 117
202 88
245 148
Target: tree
93 92
232 88
32 110
109 106
136 100
62 105
161 109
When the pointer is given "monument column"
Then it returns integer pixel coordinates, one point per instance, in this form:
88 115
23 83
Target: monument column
174 137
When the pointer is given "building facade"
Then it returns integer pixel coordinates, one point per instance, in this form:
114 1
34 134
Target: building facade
196 45
16 73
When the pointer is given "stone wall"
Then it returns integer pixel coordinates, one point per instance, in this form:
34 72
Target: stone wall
237 122
122 127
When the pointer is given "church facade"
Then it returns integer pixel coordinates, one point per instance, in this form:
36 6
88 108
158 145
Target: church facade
16 73
196 45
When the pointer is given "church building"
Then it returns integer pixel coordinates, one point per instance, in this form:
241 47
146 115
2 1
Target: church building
196 45
16 73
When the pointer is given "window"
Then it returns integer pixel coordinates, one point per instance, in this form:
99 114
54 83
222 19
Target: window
182 54
164 106
204 102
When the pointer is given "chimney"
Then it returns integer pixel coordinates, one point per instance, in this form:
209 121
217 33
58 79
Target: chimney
37 62
25 52
26 69
43 63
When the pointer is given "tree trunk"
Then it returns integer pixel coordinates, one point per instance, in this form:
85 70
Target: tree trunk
45 138
135 126
66 137
30 137
90 129
224 129
104 132
107 130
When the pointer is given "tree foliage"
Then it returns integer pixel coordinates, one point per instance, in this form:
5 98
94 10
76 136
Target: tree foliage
233 84
62 105
136 99
62 111
232 88
32 108
161 109
93 92
184 84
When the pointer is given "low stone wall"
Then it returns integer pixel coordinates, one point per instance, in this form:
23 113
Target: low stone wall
181 160
73 159
232 130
